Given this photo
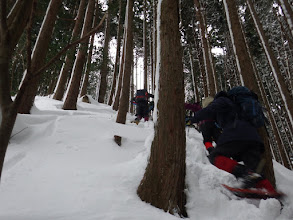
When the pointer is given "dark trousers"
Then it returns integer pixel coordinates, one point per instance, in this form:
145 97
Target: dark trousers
142 109
247 151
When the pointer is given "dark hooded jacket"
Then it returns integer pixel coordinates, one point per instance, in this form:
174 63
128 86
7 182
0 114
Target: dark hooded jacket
223 110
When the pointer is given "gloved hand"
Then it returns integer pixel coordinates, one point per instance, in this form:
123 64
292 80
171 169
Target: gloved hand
210 149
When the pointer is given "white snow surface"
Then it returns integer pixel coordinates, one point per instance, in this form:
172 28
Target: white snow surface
64 165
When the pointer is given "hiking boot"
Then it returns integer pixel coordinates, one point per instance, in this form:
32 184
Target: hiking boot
250 180
136 121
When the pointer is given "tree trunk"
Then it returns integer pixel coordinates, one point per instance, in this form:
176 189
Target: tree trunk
128 48
154 44
247 75
121 71
39 55
73 91
285 94
117 56
208 62
287 10
88 68
89 57
145 56
105 62
69 59
200 62
194 83
163 183
11 29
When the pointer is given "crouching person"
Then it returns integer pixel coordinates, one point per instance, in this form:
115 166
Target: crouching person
239 141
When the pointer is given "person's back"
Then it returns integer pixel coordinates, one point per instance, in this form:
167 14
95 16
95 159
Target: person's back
142 108
239 141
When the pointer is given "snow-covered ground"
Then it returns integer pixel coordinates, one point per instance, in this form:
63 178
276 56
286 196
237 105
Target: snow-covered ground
64 165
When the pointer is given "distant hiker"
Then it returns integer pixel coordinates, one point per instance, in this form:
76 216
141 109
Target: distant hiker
141 100
191 109
208 127
239 140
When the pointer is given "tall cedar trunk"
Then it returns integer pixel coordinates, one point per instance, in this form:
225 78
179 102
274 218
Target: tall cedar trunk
73 91
151 60
278 76
145 56
163 183
285 160
289 35
89 57
208 62
245 68
285 94
154 43
11 29
39 55
128 48
121 71
88 69
69 59
288 13
132 89
194 83
200 62
113 88
105 62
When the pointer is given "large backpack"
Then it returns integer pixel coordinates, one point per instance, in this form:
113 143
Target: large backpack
248 106
141 95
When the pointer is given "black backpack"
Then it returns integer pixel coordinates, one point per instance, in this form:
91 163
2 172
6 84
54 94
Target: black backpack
248 106
141 95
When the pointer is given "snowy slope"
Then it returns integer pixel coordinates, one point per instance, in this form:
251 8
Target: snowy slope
64 165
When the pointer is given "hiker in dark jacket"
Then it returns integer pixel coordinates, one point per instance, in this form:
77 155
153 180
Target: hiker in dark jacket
142 105
239 141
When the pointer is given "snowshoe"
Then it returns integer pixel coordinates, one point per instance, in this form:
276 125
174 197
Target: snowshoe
254 193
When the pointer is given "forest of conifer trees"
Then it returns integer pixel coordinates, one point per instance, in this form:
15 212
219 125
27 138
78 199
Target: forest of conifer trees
68 49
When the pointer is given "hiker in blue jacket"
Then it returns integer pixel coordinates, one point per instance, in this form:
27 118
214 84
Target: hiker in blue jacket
239 141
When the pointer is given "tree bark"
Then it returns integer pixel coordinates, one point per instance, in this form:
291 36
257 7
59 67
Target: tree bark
114 82
119 86
285 94
104 67
208 62
163 183
145 56
39 55
69 59
73 91
128 48
11 29
89 57
288 12
88 68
